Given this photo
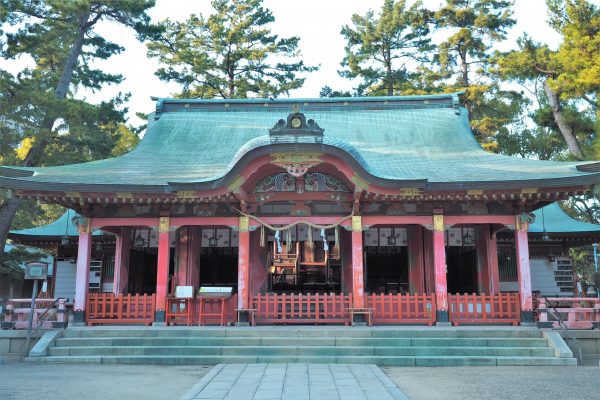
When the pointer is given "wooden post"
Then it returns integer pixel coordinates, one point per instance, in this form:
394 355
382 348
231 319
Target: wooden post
82 274
122 250
416 265
523 270
439 261
162 269
358 295
244 269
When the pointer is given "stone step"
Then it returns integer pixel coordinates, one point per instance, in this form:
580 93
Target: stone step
379 360
300 351
208 332
302 341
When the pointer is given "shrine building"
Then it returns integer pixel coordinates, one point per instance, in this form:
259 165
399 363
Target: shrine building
334 210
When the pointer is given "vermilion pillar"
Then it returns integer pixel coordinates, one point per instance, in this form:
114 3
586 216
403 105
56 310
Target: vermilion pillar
122 250
162 269
82 274
493 264
416 267
523 271
439 261
358 294
483 268
189 245
244 265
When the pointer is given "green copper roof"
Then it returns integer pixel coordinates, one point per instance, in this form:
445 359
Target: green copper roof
58 228
413 138
553 219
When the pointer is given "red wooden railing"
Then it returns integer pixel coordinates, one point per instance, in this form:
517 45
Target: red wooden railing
201 311
107 308
288 308
483 308
401 308
576 312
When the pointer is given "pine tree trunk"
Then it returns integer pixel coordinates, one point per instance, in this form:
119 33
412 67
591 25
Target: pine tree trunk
60 92
7 213
563 126
9 209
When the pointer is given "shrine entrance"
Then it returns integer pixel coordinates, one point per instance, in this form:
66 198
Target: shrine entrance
219 258
304 262
386 260
461 260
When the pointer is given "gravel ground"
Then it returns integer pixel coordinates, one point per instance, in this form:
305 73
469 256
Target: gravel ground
531 383
149 382
26 381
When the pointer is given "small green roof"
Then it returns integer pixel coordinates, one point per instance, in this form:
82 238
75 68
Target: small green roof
61 227
553 219
408 141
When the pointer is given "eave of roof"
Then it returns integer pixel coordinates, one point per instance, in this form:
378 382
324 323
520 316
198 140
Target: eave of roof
553 219
61 227
404 141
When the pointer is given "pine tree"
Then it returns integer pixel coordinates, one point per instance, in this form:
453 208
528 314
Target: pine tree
60 38
229 54
380 49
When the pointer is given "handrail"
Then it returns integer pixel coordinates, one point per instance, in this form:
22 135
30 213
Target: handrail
36 332
561 323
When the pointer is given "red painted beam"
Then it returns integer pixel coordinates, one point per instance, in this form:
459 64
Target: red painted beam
322 220
479 219
204 221
104 222
371 220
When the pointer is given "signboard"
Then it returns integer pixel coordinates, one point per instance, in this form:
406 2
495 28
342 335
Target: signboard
215 291
36 270
184 292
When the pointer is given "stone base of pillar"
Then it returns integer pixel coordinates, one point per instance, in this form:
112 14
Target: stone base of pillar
545 325
442 318
243 318
159 318
78 317
526 317
359 320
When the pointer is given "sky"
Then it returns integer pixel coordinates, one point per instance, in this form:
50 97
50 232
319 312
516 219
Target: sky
316 22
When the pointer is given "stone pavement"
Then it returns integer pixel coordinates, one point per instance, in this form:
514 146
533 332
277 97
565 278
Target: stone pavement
295 382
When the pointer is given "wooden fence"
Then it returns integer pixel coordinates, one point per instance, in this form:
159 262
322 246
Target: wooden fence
401 308
484 309
17 311
290 308
107 308
201 311
576 312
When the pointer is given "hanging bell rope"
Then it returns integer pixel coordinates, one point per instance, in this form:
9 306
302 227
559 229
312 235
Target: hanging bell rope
309 237
288 240
262 236
337 238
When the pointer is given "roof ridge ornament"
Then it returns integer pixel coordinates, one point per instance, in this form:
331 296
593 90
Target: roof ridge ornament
296 125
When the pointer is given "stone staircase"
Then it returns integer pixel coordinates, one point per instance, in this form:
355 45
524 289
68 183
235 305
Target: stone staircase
382 346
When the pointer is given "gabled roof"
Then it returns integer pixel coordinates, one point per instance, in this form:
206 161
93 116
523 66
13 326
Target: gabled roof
59 228
391 139
552 219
